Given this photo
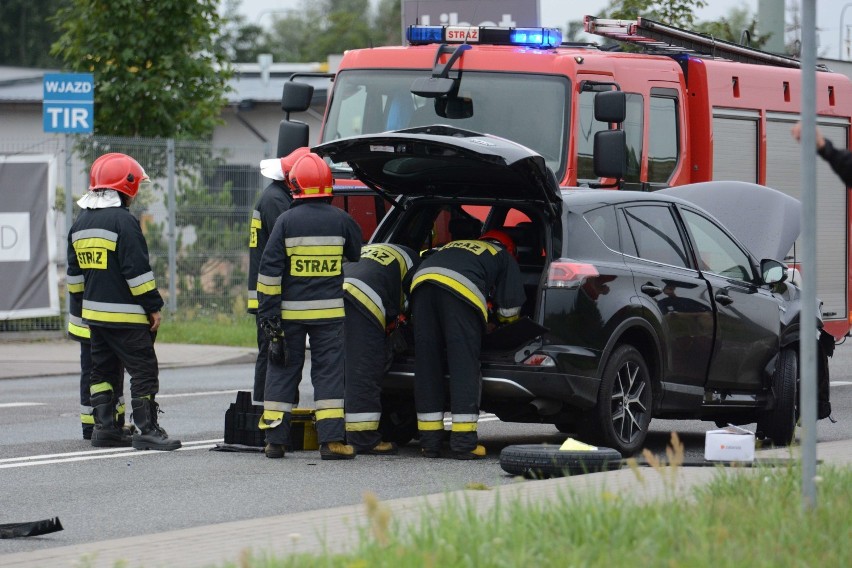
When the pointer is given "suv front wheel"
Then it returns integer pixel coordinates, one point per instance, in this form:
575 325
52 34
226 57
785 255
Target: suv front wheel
623 412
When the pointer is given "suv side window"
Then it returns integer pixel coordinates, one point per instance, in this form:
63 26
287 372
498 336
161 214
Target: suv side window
717 252
603 223
656 235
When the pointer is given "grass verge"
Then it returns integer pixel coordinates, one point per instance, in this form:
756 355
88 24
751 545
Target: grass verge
752 518
234 331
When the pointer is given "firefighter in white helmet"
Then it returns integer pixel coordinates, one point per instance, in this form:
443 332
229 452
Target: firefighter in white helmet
300 295
274 201
121 303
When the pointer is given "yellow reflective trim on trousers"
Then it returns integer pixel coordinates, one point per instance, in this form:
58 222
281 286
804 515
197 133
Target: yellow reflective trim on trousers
362 426
142 288
449 282
114 317
100 387
312 314
315 250
507 319
430 425
329 413
76 288
79 331
365 301
252 303
269 290
270 419
87 418
464 427
94 242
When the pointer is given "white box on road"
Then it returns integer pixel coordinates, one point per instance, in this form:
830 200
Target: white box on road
729 444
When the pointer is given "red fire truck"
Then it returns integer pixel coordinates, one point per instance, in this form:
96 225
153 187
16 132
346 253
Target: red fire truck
697 109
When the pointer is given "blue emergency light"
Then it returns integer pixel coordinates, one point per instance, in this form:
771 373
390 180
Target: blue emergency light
525 37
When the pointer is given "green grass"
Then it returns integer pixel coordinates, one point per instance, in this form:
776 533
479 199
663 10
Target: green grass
226 329
753 519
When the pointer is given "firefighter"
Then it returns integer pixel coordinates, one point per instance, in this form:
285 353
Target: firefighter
79 332
300 295
274 200
450 313
121 303
375 297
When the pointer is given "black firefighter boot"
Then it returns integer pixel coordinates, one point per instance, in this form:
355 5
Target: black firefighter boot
107 434
150 435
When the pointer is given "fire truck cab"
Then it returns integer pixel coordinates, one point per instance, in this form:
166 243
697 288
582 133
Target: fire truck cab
685 109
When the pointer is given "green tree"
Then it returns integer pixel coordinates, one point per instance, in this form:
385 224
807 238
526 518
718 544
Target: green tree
159 71
678 13
732 26
240 41
387 23
25 34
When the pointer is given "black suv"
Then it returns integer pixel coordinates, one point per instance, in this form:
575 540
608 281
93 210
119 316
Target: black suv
639 305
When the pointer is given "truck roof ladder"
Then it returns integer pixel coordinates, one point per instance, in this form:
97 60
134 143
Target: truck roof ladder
660 37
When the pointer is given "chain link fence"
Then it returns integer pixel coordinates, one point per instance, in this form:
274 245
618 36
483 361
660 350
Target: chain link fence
195 219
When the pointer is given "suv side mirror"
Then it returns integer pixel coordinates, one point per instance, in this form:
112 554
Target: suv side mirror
772 271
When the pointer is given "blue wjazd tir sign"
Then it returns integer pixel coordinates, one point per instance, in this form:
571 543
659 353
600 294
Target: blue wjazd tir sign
69 102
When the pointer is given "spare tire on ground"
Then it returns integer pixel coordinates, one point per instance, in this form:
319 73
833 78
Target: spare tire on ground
541 461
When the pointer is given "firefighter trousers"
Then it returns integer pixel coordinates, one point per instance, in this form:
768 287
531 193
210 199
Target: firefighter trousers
86 418
365 363
447 330
260 364
282 382
132 348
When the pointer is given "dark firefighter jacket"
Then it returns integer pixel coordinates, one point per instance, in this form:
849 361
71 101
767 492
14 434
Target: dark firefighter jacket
274 201
476 270
301 270
107 247
840 161
375 284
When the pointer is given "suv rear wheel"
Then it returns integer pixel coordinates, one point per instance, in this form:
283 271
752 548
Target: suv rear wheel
779 424
623 412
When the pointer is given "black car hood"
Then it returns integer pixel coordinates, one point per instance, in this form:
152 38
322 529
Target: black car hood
765 220
442 161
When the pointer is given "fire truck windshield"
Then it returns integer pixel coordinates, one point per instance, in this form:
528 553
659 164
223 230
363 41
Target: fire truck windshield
530 109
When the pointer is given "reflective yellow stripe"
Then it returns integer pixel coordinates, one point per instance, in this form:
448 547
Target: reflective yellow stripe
453 284
312 314
464 426
270 419
75 288
365 300
79 331
87 419
112 317
256 223
252 303
94 242
269 290
430 425
509 319
362 426
142 288
329 413
100 387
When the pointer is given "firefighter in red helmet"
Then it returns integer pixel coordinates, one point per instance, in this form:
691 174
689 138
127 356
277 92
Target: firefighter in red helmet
300 295
120 302
274 201
450 312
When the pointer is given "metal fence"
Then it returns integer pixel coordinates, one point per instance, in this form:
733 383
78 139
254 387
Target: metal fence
195 220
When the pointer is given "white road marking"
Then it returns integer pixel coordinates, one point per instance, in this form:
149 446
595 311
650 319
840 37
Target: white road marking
840 383
17 404
203 393
69 457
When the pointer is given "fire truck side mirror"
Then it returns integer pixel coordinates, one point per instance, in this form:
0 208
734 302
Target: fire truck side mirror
610 107
296 97
610 158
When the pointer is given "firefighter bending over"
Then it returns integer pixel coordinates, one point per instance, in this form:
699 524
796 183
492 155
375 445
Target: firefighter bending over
274 201
121 303
450 313
300 294
375 296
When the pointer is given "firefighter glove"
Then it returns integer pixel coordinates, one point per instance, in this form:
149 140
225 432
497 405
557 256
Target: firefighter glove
277 344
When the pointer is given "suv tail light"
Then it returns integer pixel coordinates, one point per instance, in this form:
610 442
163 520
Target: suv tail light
540 360
567 273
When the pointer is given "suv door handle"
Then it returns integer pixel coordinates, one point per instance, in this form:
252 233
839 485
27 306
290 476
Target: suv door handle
723 298
651 290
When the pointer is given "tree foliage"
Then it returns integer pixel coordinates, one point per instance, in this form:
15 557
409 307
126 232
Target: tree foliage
25 35
159 71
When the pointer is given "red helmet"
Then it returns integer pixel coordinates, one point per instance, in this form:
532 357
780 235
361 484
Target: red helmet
117 171
288 161
502 238
310 177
